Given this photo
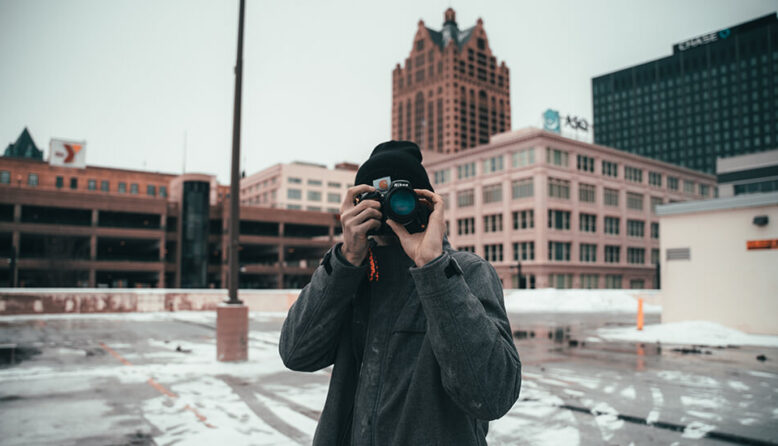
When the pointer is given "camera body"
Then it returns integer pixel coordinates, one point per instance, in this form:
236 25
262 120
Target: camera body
400 203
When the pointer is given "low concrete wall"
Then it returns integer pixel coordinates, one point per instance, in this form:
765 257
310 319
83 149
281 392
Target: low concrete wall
91 300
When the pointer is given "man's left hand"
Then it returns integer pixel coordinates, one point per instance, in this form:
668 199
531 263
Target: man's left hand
423 247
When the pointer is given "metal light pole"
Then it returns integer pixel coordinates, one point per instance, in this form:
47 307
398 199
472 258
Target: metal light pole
234 230
232 317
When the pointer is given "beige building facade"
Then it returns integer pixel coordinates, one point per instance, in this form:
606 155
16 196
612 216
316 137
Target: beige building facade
720 262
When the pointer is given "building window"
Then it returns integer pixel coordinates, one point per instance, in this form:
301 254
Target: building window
523 251
672 183
588 252
559 219
466 226
294 207
151 190
122 187
558 188
32 179
524 219
74 183
634 201
465 198
559 251
312 182
557 157
314 195
493 253
587 222
612 225
163 191
560 281
585 163
523 157
704 190
294 194
294 180
333 198
105 186
610 169
612 253
493 223
493 193
654 230
442 176
467 249
493 164
465 171
586 192
654 256
688 186
655 201
134 188
522 188
333 184
5 177
655 179
637 284
610 197
633 174
636 228
590 281
613 281
636 256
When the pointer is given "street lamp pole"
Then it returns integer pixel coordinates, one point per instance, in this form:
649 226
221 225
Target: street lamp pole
234 228
232 317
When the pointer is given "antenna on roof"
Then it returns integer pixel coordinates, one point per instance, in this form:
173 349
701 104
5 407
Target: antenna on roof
183 157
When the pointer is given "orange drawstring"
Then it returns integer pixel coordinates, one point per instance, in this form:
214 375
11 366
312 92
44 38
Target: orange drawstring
372 274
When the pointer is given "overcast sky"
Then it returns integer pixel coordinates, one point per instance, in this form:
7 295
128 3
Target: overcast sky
133 77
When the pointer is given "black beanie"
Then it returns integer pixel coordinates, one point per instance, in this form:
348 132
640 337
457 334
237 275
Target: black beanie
399 160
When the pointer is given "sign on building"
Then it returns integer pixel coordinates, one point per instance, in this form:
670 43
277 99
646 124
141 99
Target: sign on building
551 121
67 153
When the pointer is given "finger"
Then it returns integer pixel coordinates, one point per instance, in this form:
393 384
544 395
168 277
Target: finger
352 193
437 204
397 228
362 205
367 226
366 214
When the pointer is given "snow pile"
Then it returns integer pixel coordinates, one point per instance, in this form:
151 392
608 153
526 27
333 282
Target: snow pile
688 333
551 300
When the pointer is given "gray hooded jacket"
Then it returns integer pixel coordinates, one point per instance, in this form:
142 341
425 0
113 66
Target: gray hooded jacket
422 356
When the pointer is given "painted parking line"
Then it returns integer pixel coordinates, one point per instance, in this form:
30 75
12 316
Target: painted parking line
159 387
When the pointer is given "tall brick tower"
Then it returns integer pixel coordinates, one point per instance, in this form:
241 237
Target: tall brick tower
451 94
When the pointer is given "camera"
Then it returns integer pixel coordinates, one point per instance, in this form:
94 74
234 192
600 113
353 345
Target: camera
400 203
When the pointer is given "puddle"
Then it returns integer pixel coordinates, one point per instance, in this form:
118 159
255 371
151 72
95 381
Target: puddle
12 354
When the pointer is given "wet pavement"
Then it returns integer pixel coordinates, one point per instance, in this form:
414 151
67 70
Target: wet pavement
144 379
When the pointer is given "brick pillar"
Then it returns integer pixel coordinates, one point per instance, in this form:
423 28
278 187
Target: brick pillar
15 249
232 332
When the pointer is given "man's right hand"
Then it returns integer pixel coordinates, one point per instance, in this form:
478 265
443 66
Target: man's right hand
357 220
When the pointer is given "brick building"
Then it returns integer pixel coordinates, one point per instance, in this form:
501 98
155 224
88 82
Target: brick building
103 227
451 94
570 213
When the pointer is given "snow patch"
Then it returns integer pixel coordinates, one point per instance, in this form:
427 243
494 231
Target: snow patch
737 385
628 392
550 300
688 333
696 430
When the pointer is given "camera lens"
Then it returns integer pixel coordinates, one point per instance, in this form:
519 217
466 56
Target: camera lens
402 202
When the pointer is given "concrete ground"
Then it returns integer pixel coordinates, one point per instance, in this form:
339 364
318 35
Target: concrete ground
140 379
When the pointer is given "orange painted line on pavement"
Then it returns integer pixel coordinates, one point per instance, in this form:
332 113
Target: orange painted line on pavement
115 355
160 388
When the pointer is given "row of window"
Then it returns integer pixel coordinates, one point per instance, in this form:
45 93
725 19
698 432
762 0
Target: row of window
557 157
33 180
312 195
560 252
315 182
592 281
558 220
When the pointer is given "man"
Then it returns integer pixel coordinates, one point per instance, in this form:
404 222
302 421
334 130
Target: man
417 331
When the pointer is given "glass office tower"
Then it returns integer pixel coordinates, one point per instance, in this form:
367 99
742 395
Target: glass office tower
716 96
